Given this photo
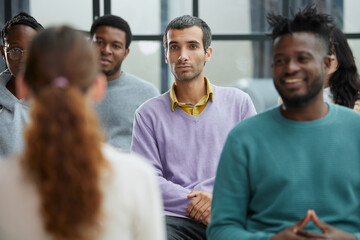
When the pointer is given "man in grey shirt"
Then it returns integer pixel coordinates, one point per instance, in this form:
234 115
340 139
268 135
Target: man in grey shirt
126 92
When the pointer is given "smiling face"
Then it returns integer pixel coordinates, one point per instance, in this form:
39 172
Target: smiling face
300 64
19 37
185 53
111 43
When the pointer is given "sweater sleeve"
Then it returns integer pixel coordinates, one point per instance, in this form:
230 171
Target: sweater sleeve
231 197
145 143
247 108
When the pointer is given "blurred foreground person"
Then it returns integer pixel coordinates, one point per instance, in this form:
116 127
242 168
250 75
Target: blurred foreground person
67 184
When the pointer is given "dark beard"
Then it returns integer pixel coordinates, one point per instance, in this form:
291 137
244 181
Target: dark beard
302 101
113 71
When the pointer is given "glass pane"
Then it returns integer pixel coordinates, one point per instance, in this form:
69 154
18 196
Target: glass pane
331 7
2 22
77 14
237 16
351 14
143 16
355 47
144 61
236 64
146 20
178 8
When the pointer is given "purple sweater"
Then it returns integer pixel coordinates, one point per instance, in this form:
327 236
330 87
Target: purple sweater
184 149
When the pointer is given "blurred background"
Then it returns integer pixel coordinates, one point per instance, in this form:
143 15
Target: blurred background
241 50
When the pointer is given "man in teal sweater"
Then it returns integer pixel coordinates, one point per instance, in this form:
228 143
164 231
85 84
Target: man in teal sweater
292 172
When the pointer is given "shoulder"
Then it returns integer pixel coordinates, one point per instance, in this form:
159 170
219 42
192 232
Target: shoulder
139 82
230 93
343 113
157 104
256 123
127 165
234 92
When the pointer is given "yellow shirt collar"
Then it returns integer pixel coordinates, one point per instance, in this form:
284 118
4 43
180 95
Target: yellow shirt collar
174 101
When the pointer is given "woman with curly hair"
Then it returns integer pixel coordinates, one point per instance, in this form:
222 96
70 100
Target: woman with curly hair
341 85
67 184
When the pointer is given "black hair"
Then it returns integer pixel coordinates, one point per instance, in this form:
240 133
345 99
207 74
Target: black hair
20 19
113 21
187 21
344 82
306 20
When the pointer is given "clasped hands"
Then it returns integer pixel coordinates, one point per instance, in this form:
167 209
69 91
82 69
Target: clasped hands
199 207
297 231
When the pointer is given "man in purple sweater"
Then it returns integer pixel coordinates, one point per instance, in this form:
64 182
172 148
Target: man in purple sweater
183 131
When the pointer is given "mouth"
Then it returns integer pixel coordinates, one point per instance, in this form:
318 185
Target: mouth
105 61
183 67
293 80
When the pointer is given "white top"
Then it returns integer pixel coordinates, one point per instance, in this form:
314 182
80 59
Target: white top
132 201
328 97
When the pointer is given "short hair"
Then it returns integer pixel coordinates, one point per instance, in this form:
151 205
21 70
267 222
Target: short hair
20 19
306 20
187 21
113 21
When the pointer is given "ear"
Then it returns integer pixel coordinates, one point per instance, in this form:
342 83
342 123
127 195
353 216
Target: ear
166 59
22 89
208 54
99 86
327 64
127 51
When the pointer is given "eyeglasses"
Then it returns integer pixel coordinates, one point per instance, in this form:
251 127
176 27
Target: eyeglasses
15 53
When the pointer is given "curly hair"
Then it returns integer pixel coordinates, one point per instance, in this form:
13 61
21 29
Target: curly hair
63 141
113 21
306 20
20 19
344 81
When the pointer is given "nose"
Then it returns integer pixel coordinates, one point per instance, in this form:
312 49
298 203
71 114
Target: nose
292 67
105 49
183 56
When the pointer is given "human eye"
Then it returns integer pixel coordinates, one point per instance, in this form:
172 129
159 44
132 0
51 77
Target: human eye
279 61
15 51
99 43
116 46
193 46
174 47
303 59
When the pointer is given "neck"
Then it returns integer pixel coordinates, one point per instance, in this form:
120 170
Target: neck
114 76
326 80
10 85
190 91
314 110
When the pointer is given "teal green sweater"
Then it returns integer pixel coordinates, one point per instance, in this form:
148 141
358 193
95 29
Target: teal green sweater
272 170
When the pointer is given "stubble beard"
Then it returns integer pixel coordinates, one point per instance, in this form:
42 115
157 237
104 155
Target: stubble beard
113 71
302 100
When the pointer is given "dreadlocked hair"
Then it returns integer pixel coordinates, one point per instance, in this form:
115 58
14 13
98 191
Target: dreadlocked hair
306 20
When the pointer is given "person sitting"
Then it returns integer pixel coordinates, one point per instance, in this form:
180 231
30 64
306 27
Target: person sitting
68 184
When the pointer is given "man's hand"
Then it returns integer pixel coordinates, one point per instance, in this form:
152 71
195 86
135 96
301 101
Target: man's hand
328 232
290 233
297 232
199 207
